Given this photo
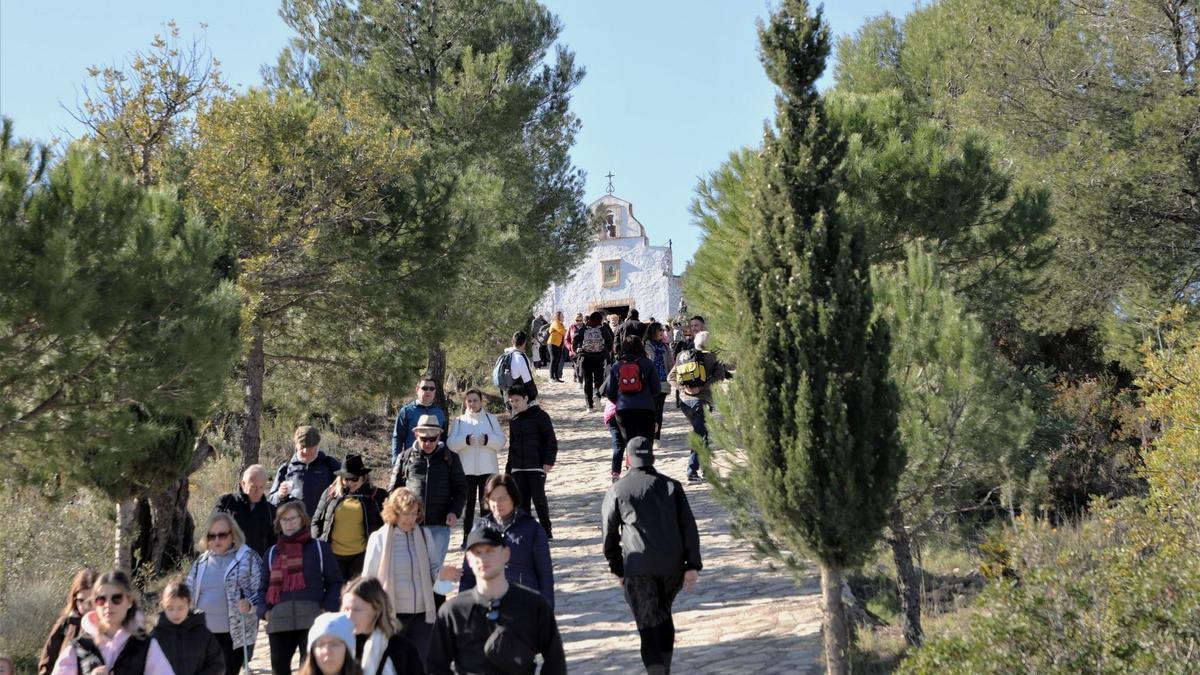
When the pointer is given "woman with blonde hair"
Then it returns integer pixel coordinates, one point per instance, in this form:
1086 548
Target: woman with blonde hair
79 602
348 513
227 586
400 556
380 648
112 635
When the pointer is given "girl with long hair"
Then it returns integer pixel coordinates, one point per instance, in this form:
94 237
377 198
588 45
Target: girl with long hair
79 602
113 635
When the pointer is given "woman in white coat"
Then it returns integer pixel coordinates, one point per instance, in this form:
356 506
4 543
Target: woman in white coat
476 435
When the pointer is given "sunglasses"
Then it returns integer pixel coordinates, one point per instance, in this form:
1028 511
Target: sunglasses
117 599
493 612
428 439
428 388
218 535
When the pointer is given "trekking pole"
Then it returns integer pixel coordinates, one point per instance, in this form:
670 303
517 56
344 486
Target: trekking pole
245 647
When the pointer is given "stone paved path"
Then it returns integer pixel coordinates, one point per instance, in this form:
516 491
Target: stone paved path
742 617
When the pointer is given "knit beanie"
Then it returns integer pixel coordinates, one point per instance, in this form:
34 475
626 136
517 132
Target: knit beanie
337 625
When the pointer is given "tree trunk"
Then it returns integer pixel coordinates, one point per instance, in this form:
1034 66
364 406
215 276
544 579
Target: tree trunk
907 579
123 537
255 371
437 371
837 643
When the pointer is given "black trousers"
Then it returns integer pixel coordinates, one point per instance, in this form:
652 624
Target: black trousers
474 492
532 485
351 565
283 645
634 423
557 354
651 598
413 627
593 377
660 403
234 658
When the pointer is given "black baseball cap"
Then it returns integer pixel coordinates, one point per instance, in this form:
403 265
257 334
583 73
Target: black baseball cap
486 535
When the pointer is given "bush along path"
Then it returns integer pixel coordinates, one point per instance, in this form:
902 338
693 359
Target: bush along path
742 617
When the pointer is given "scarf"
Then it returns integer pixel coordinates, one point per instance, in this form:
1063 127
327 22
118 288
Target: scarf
384 573
287 567
375 660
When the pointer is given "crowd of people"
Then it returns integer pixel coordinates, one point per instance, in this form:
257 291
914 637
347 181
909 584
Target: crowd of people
350 576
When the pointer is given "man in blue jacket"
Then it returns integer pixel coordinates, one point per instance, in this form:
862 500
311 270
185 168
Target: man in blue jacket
306 475
403 434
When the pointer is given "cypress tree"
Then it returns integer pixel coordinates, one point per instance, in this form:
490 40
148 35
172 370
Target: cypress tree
812 408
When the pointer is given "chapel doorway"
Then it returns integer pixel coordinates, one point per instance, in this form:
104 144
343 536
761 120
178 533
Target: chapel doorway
620 310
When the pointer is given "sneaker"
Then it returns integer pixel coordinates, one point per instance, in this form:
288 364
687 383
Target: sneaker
616 476
695 478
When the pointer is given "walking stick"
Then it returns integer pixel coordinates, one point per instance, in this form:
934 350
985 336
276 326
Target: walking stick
245 647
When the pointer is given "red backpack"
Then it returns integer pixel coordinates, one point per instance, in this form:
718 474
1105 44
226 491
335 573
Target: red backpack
629 377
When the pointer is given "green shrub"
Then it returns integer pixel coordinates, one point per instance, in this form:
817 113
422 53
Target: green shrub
1120 592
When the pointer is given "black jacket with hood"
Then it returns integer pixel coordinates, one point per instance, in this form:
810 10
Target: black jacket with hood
189 646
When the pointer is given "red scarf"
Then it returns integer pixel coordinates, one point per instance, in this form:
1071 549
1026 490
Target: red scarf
287 567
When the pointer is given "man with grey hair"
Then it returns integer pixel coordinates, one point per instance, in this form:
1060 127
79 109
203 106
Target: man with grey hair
693 375
250 509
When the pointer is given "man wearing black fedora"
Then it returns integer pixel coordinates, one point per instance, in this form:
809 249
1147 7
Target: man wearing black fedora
349 511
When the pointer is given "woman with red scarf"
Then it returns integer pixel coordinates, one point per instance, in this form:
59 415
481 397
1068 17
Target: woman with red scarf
304 581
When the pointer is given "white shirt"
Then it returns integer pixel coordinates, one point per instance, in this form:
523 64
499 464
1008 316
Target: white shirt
519 367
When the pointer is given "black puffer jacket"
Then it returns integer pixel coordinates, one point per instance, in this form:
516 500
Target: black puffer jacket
256 520
189 646
531 440
437 478
648 526
371 498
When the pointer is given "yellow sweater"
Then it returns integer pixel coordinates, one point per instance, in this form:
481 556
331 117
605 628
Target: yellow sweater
348 536
557 332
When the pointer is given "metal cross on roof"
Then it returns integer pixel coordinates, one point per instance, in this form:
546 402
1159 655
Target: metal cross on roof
609 176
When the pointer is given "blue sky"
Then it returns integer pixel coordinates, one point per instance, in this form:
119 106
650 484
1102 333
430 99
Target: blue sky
672 86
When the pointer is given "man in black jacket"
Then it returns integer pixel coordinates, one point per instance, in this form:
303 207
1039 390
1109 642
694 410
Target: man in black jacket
495 627
532 451
251 510
657 556
435 474
631 326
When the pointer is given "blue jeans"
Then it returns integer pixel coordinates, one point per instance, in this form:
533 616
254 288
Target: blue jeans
441 543
693 410
618 445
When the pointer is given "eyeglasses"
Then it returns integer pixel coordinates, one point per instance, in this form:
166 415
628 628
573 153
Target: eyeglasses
428 439
493 610
218 535
116 599
428 388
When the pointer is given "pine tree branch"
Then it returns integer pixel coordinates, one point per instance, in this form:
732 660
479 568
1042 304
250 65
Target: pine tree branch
54 399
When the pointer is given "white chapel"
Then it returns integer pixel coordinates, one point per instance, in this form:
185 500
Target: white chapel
621 272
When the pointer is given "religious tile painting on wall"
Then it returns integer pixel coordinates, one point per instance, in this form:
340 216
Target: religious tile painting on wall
610 273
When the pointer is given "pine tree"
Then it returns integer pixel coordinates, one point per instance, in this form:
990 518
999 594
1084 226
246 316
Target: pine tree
812 406
963 418
117 330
